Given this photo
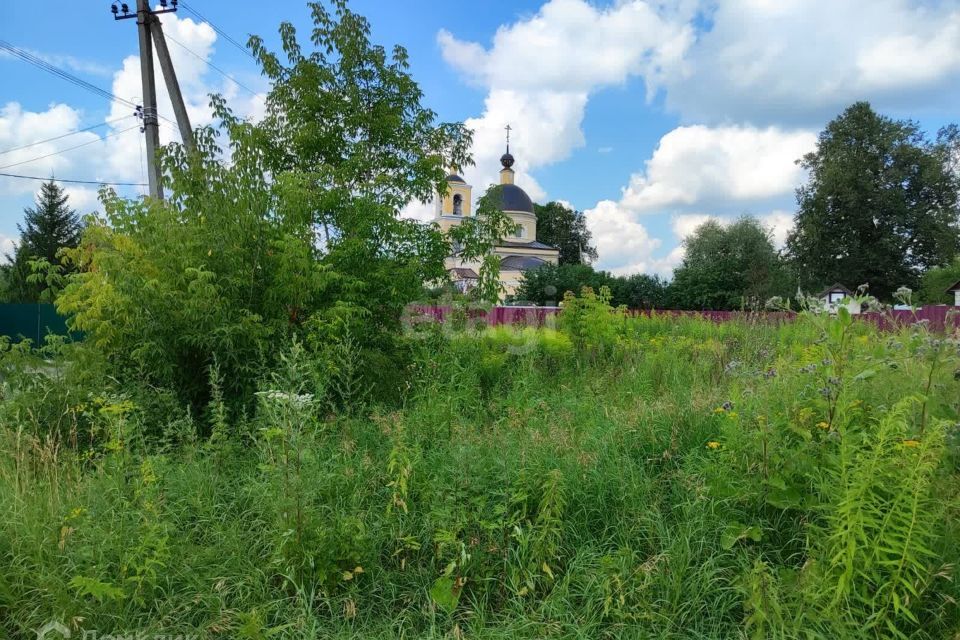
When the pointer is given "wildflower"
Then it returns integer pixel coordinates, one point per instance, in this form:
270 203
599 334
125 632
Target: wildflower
823 425
718 410
911 443
713 444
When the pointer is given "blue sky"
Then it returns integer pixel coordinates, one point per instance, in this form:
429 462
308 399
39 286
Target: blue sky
649 116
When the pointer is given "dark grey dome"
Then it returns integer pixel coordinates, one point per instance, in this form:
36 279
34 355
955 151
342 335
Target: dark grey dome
455 178
513 198
506 160
521 263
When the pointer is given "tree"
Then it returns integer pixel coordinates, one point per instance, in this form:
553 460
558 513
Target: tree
298 234
880 206
48 227
641 291
729 267
560 226
547 284
934 283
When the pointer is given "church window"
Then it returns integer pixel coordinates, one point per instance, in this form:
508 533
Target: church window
458 205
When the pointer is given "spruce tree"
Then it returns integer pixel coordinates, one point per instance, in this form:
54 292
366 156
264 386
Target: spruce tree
48 227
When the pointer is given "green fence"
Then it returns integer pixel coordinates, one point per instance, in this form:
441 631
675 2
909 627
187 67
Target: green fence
32 321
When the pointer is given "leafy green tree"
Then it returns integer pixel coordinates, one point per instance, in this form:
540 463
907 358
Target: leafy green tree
566 229
547 284
299 233
934 283
730 267
49 226
641 291
880 206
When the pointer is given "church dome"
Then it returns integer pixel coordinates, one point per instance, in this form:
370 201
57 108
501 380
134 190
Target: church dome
513 198
455 178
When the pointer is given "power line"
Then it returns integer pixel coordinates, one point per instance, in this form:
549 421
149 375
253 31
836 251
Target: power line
56 153
28 57
209 64
223 33
109 184
71 133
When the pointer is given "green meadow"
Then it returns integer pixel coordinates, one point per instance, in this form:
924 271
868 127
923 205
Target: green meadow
610 477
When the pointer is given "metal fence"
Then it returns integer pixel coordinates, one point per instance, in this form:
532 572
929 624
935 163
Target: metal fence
32 322
938 318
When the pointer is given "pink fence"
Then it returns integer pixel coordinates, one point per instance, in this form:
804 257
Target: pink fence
937 318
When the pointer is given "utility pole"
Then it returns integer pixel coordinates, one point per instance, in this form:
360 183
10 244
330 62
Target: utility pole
173 87
150 32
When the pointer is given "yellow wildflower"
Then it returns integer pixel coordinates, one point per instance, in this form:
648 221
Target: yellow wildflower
823 425
719 410
713 444
911 443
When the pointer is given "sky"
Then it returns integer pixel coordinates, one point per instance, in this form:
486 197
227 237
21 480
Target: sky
648 116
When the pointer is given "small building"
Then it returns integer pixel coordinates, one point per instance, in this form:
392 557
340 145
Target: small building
519 252
955 290
463 278
833 297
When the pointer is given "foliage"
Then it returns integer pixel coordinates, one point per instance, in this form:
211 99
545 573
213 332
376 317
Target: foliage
566 229
731 267
297 231
48 227
547 284
880 207
935 282
688 478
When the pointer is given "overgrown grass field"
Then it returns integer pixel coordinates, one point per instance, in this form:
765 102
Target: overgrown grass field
615 477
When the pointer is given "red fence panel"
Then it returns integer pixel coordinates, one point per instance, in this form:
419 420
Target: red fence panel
938 318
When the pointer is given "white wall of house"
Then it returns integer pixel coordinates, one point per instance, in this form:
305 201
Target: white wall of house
834 300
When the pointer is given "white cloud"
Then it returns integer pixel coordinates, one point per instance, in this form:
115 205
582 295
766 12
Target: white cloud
699 165
82 199
686 224
805 60
692 169
540 71
624 244
421 211
19 128
7 246
778 222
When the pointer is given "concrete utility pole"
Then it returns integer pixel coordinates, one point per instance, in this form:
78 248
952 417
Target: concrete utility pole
173 87
150 32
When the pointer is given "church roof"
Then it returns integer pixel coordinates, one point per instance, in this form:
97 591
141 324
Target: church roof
513 198
520 263
455 178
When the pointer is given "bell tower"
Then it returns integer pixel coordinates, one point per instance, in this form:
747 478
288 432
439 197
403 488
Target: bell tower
456 204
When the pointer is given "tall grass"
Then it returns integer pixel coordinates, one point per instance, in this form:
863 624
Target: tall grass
620 477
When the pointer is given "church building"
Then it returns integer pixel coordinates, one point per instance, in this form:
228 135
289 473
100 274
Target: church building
518 252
